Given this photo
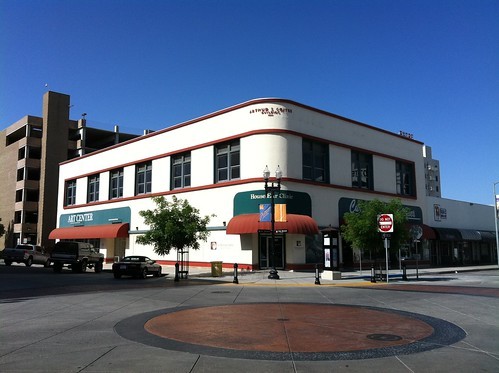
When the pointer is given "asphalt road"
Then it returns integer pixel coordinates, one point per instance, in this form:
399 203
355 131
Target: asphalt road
93 323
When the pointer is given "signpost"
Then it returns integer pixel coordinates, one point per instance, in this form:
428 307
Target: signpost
385 226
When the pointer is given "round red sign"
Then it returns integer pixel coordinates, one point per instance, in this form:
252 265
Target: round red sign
385 223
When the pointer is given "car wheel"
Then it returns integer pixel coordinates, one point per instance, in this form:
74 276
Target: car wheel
98 267
158 273
7 262
29 262
143 274
117 275
57 267
82 267
47 264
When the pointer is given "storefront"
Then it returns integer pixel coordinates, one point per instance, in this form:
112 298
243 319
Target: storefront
107 230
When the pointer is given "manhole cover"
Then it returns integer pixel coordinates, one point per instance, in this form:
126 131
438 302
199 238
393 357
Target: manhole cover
384 337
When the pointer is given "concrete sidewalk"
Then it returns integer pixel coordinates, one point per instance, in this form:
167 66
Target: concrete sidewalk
309 277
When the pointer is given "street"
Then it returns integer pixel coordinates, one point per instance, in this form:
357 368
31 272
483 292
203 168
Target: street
93 323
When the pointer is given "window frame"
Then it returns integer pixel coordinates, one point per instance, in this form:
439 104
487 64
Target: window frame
358 160
228 161
182 163
144 170
405 178
93 186
70 192
315 161
116 174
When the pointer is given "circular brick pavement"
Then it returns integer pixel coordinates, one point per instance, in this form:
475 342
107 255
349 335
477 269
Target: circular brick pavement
285 331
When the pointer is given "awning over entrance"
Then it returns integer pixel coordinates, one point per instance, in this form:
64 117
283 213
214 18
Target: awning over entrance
91 231
470 235
428 233
487 236
250 223
448 234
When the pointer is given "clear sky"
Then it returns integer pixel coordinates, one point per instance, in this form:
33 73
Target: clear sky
429 67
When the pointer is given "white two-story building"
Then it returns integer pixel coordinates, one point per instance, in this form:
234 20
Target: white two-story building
216 162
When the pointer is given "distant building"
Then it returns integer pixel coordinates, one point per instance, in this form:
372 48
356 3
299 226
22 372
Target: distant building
432 174
30 152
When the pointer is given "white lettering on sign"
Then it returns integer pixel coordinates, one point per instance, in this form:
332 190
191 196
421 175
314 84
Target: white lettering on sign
80 218
282 195
385 223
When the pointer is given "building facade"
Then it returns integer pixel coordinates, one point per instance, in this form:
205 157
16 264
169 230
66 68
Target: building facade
328 164
30 152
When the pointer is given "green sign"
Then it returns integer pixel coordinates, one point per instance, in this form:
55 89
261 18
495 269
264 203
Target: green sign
345 205
249 202
99 217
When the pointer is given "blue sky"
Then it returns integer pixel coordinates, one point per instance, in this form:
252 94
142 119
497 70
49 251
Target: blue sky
429 67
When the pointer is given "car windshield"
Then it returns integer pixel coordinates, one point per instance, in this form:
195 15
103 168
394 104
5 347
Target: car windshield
66 247
135 259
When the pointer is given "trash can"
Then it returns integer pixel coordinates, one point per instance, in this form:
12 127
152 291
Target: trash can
216 269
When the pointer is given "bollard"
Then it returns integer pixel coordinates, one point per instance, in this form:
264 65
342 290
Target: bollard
404 271
317 281
176 272
235 281
373 275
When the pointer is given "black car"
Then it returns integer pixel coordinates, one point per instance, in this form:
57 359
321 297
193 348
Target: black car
137 266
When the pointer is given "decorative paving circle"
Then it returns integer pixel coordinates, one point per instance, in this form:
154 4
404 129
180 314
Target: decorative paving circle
290 331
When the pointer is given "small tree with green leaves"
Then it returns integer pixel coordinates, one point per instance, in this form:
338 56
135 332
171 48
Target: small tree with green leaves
173 225
361 228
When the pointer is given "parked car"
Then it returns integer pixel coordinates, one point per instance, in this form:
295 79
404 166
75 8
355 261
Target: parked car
76 255
27 254
136 266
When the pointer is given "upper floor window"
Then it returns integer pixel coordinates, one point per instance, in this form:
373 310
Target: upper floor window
93 188
315 156
181 171
405 178
227 162
362 170
143 178
70 193
116 183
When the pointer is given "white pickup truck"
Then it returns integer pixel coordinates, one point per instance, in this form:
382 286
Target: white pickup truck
27 254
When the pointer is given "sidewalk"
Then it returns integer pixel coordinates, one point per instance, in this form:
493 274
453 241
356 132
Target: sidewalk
300 278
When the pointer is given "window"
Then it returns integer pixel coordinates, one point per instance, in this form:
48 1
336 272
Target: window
405 178
116 183
143 177
315 161
70 193
227 162
93 188
181 171
362 170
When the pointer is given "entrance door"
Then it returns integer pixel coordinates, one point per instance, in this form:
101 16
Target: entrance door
266 257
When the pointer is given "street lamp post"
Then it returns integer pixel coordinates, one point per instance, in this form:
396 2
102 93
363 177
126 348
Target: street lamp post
272 189
496 210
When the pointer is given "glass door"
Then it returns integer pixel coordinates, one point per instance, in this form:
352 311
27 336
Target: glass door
265 251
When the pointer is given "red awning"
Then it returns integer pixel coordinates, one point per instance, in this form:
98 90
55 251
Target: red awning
91 231
250 223
428 233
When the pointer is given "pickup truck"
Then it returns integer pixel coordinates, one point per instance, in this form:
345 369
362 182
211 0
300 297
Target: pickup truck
27 254
76 255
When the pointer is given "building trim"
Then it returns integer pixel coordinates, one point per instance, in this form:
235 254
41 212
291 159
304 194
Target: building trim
246 104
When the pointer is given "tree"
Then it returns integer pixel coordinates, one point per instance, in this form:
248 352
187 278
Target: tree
173 225
361 228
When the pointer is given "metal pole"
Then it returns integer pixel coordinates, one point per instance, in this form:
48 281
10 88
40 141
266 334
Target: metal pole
386 255
496 211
